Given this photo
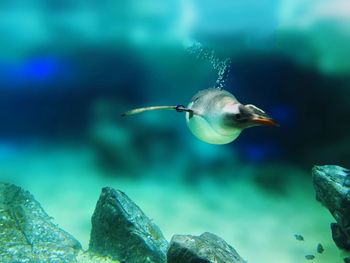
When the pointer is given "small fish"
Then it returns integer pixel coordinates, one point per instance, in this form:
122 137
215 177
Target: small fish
320 248
215 116
299 237
310 257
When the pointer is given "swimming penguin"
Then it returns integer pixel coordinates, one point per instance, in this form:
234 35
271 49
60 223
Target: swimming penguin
215 116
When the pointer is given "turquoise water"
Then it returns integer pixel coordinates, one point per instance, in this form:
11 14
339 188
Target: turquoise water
68 70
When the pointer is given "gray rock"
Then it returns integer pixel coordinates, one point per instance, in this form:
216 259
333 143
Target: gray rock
27 233
320 248
310 257
206 248
332 185
340 237
122 231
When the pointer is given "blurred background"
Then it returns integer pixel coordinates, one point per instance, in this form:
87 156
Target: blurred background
69 68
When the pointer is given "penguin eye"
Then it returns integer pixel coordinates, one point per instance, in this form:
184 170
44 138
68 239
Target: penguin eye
238 116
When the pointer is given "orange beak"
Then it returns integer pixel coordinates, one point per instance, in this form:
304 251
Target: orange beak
264 121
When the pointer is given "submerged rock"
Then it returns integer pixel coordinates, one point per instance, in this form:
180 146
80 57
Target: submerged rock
122 231
320 248
340 237
332 185
310 257
206 248
27 233
299 237
88 257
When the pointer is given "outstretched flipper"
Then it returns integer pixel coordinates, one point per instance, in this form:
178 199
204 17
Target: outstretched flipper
178 108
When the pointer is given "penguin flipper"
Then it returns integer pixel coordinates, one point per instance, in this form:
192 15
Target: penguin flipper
178 108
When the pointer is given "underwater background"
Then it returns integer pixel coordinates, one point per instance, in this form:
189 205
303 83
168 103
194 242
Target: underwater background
69 68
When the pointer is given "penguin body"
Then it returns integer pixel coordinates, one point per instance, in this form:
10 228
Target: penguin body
215 116
206 121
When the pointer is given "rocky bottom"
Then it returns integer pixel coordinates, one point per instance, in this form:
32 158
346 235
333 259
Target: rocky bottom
120 232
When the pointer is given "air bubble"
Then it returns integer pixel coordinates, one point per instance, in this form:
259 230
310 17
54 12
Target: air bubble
222 67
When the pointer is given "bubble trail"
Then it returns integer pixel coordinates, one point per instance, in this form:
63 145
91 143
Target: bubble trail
221 66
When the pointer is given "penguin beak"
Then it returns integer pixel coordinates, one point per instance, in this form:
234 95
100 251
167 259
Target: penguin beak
263 120
256 116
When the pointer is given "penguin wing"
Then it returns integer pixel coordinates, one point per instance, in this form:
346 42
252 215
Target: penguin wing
178 108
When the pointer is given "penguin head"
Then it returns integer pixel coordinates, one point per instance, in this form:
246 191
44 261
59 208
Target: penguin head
241 116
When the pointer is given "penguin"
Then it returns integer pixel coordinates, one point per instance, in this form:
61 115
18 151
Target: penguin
215 116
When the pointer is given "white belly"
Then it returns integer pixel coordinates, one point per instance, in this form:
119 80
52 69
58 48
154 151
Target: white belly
203 131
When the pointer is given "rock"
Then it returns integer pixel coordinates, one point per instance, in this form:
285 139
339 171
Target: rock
332 185
310 257
206 248
299 237
320 248
340 238
27 233
122 231
88 257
